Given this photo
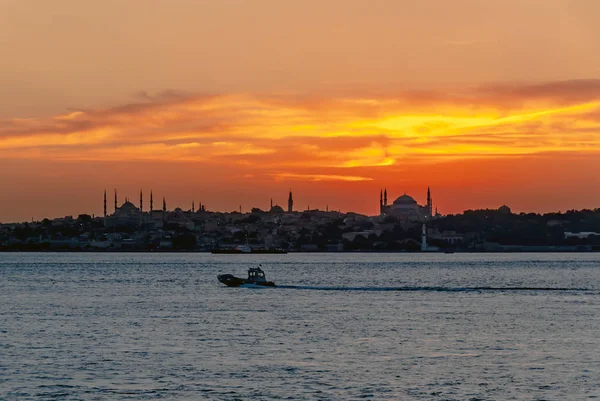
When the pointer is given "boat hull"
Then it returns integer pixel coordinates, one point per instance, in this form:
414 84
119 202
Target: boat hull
232 281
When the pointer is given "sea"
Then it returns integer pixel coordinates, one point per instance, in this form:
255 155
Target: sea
338 326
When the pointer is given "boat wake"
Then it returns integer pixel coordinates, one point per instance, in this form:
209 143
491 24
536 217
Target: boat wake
441 289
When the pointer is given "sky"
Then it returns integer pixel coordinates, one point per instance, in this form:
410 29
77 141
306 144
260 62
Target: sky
232 103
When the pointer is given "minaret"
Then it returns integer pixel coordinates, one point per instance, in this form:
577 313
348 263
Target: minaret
385 197
115 201
141 202
429 203
164 205
290 203
193 204
381 202
271 203
151 206
105 203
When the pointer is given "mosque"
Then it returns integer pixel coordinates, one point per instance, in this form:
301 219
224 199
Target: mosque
279 210
130 215
406 208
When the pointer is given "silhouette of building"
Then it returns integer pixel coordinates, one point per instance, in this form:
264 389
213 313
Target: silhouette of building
290 203
504 209
405 207
276 210
128 215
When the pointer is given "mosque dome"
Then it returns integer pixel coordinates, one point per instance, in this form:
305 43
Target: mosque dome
504 209
276 209
128 206
405 200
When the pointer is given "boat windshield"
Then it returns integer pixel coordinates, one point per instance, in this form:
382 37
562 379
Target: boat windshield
256 274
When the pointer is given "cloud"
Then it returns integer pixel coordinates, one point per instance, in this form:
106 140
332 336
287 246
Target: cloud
320 177
345 133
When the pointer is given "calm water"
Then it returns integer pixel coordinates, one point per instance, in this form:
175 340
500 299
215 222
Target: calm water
344 326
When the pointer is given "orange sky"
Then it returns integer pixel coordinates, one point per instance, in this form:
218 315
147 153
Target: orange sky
235 102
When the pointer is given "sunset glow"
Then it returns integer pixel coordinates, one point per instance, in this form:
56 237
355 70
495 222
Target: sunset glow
522 135
326 134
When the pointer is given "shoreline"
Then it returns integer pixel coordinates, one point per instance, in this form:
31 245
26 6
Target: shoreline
292 252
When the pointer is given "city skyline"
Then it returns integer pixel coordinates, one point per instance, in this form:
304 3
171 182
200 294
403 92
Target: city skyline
111 201
235 102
